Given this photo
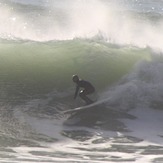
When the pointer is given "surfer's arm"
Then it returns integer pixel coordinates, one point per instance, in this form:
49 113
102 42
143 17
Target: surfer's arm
76 92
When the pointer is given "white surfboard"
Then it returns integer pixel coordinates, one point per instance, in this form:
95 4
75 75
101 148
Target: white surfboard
85 107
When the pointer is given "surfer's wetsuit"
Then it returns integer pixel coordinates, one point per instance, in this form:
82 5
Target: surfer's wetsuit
87 89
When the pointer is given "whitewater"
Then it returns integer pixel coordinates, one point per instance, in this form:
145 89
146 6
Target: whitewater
116 45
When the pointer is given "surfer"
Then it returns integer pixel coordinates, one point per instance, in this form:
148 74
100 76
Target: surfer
87 89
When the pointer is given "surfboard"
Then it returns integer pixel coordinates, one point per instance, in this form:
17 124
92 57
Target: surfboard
84 107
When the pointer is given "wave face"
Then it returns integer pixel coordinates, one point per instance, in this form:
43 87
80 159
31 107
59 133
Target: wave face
117 46
41 67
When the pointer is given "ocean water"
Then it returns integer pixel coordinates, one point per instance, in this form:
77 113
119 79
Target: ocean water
116 45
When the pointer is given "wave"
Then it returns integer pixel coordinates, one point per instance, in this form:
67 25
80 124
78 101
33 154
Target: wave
41 67
118 62
42 46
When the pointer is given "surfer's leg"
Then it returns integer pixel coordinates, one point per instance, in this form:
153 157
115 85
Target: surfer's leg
83 94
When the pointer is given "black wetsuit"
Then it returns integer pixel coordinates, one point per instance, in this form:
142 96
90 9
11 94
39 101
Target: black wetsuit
87 89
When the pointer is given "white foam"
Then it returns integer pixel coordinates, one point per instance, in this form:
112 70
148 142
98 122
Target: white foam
147 126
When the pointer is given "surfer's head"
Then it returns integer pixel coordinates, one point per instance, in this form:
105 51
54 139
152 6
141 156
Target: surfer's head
75 78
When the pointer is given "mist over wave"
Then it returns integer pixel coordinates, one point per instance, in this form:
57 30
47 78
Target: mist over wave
67 20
